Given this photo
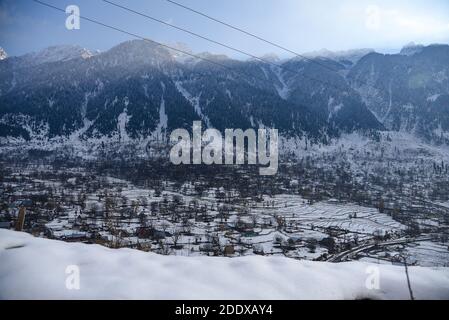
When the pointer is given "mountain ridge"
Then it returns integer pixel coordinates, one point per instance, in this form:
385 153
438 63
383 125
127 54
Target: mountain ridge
65 94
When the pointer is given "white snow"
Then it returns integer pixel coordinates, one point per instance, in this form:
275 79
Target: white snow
58 53
194 101
163 117
411 49
3 54
333 107
351 55
283 90
122 121
35 268
229 94
433 98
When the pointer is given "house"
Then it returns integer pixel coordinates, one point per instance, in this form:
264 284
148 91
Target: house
229 250
244 227
151 233
74 236
21 203
26 203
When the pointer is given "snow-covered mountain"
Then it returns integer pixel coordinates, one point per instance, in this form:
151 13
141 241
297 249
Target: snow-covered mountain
346 57
138 89
58 54
408 91
411 49
52 55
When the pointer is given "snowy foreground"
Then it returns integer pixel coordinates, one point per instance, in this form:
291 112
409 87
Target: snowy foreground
35 268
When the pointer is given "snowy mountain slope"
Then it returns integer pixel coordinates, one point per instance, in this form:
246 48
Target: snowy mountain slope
348 57
54 93
411 49
38 267
407 92
66 91
57 53
327 93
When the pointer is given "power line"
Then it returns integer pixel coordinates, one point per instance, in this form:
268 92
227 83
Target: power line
146 39
184 30
249 34
152 41
218 43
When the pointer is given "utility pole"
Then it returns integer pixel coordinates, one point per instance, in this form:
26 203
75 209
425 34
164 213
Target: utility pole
404 259
408 280
21 219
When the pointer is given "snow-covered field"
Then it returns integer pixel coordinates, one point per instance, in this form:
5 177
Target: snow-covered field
35 268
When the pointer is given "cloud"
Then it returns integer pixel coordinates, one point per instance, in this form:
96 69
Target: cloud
373 17
401 23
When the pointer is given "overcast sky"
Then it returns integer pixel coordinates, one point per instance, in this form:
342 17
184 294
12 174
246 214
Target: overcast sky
300 25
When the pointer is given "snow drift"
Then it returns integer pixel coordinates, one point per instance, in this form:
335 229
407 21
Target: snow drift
35 268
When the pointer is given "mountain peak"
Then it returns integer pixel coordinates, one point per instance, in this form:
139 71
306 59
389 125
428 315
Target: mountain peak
411 49
272 57
59 53
349 55
181 52
213 56
138 51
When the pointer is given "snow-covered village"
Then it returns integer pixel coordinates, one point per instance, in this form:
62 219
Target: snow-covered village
222 172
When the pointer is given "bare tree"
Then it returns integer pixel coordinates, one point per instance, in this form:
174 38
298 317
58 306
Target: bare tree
175 238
